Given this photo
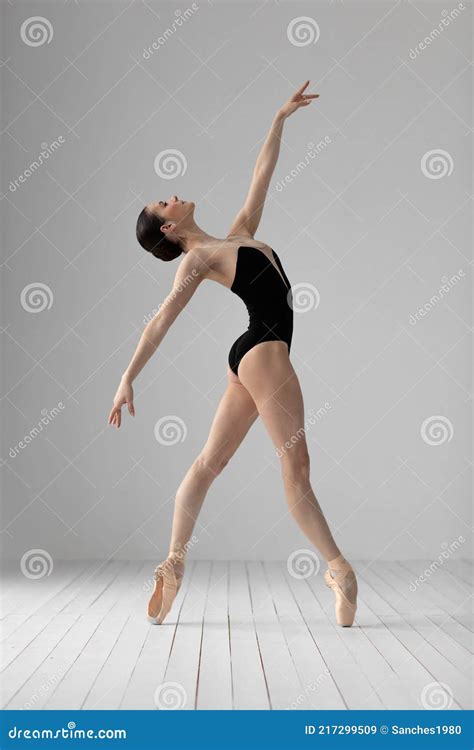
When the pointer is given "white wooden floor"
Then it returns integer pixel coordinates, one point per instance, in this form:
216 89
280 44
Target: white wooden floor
240 636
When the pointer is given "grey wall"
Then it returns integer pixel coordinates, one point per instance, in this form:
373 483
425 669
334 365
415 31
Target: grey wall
374 222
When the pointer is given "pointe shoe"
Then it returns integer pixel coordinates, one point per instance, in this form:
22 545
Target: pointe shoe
168 576
340 577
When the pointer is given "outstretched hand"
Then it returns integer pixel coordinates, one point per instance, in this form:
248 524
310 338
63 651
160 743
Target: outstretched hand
299 99
123 396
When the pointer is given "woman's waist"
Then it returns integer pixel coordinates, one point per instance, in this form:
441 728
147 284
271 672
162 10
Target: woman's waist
260 323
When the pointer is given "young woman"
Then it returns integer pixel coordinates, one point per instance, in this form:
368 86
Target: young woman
261 379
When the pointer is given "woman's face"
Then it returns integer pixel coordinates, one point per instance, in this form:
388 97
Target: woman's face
173 209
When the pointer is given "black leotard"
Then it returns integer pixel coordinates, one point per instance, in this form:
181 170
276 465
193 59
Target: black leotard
267 293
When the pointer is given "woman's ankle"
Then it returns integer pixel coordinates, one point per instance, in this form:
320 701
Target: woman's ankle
337 562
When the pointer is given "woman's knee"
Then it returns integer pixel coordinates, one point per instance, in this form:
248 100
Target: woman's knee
209 466
295 465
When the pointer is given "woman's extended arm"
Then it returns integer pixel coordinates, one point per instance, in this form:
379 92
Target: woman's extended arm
248 218
188 277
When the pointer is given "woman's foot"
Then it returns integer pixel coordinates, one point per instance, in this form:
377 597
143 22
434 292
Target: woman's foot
340 577
168 576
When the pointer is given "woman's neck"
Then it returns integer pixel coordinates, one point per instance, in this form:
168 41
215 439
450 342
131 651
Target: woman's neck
193 236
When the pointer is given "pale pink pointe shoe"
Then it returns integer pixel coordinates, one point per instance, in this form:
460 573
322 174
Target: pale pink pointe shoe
168 576
340 577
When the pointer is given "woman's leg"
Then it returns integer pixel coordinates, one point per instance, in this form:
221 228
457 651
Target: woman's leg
267 374
234 416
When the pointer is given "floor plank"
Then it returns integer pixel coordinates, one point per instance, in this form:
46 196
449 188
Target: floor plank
215 675
248 680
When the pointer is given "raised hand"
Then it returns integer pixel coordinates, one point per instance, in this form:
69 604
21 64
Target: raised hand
299 99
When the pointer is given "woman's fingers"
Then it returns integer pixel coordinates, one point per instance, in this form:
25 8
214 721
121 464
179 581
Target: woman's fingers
303 87
115 416
131 408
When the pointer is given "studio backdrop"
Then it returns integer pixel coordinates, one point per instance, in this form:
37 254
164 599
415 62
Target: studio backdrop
109 105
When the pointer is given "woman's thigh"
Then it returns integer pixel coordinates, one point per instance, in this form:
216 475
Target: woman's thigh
269 377
234 416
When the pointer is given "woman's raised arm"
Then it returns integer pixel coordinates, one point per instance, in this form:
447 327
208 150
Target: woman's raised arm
247 220
189 275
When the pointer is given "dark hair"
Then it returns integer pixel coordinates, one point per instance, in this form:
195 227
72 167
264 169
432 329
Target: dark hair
151 237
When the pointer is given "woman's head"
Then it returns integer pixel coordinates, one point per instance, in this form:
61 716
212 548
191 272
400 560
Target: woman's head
161 226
